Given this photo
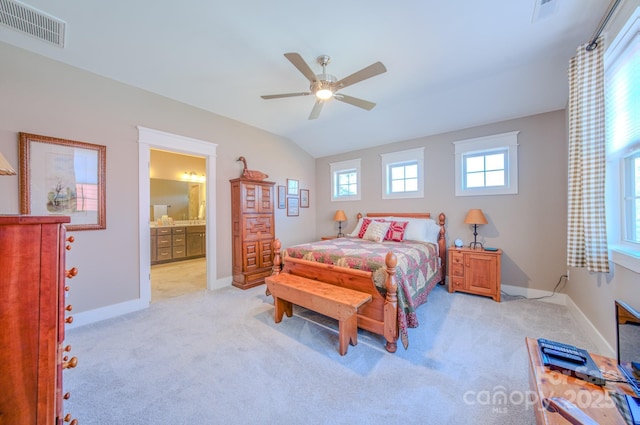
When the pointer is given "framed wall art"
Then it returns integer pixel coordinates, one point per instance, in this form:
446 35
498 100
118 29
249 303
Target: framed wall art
293 206
63 177
292 187
282 197
304 198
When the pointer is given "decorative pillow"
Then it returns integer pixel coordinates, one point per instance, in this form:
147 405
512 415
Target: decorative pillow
356 231
376 231
396 231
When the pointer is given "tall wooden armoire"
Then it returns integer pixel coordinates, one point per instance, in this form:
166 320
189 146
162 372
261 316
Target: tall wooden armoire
253 231
32 319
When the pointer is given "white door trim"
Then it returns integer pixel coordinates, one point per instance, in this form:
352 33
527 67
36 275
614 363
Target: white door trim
148 139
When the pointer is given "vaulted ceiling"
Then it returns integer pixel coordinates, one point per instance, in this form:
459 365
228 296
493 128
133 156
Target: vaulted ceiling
450 64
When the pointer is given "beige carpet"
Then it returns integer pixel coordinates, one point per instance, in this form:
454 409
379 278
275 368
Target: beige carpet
217 357
171 280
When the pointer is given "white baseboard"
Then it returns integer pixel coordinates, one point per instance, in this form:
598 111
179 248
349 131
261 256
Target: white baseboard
107 312
115 310
563 299
603 346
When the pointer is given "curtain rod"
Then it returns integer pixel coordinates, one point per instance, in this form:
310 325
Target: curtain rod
603 23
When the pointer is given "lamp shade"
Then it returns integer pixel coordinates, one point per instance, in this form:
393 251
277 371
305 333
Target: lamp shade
340 216
5 168
475 216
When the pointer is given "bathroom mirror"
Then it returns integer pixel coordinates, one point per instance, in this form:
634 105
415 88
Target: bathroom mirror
179 200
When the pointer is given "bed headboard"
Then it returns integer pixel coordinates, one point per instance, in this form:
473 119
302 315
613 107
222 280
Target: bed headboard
442 242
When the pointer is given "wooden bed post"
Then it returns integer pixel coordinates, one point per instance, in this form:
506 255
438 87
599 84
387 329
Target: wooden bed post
277 261
391 304
442 247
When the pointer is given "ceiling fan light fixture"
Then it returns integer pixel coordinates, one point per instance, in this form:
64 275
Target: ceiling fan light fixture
324 94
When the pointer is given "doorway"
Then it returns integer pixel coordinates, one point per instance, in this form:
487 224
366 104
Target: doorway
178 228
149 139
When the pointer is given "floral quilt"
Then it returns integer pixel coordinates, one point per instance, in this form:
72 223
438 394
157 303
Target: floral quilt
417 271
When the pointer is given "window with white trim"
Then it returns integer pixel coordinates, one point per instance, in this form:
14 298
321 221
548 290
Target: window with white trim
345 180
487 165
622 134
402 174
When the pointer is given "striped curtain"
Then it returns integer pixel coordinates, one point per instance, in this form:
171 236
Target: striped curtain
586 227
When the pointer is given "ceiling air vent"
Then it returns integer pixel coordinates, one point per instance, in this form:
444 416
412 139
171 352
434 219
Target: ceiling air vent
28 20
543 9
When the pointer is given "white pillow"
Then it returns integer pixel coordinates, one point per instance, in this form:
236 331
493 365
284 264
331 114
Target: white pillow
356 231
422 230
376 231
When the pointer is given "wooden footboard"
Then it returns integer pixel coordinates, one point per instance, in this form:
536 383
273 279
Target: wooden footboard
380 316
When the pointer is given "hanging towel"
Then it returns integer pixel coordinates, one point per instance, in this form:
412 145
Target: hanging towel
159 211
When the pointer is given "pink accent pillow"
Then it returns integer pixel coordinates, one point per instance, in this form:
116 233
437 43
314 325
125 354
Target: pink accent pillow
396 231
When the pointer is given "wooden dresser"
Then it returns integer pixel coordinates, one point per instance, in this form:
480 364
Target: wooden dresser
253 231
32 313
475 271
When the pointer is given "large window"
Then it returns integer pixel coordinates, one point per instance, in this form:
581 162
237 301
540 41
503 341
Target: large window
487 165
622 133
402 174
345 180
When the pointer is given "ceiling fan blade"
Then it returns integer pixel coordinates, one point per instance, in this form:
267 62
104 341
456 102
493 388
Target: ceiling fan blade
302 66
368 72
278 96
360 103
317 108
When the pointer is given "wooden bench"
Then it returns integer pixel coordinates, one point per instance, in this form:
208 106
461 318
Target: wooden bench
330 300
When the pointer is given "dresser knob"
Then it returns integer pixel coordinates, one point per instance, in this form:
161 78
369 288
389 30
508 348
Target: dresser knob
67 348
66 288
67 418
69 319
69 307
71 363
72 272
66 396
70 239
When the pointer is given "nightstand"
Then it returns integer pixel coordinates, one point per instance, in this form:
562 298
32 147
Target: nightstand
475 271
328 238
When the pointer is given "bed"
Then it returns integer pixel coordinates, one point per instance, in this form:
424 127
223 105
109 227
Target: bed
398 273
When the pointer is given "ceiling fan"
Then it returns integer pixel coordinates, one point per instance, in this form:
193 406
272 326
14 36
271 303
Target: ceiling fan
326 86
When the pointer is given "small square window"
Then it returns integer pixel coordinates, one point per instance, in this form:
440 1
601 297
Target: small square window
345 180
402 174
487 165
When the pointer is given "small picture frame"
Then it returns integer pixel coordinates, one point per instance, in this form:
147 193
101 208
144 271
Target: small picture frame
282 198
304 198
293 203
293 187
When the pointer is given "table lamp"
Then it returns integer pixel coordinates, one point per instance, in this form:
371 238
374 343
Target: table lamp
5 168
340 217
475 217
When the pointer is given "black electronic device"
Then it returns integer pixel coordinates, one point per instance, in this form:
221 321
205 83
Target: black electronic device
628 344
634 409
570 360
